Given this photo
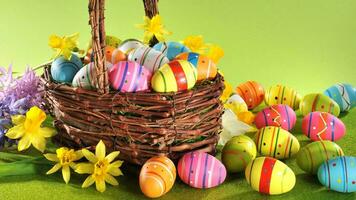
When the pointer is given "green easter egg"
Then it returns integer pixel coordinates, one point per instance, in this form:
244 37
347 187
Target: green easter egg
112 41
318 102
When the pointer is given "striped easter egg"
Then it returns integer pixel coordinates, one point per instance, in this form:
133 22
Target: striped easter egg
86 77
252 93
170 49
114 55
269 176
343 94
276 115
157 176
339 174
280 94
128 76
201 170
128 45
276 142
323 126
318 102
206 68
237 153
63 70
148 57
314 154
177 75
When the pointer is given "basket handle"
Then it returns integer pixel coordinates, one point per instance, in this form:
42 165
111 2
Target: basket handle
96 21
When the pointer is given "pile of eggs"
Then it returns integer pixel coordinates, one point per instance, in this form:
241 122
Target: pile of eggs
134 67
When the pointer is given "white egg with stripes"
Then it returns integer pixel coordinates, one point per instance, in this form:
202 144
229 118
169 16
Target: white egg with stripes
151 59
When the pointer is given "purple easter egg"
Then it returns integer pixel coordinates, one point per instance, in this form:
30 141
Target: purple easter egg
276 115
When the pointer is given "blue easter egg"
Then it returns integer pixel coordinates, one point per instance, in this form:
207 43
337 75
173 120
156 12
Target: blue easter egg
343 94
339 174
171 49
63 70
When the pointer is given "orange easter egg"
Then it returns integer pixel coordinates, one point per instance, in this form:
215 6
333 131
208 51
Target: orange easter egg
114 55
157 176
251 92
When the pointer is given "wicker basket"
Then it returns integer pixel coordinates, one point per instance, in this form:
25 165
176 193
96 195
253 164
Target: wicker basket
139 125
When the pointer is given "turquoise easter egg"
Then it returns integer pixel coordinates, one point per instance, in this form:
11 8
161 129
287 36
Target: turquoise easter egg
343 94
171 49
63 70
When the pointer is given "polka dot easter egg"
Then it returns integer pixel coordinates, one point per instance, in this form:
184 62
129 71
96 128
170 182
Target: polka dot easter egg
339 174
269 176
314 154
130 44
63 70
128 76
114 55
252 92
318 102
323 126
276 142
276 115
157 176
343 94
201 170
282 95
86 77
238 152
171 49
148 57
206 68
177 75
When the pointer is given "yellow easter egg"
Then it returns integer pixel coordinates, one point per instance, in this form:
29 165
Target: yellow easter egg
280 94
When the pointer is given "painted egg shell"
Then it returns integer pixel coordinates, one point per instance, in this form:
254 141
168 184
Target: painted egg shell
63 70
112 41
170 49
314 154
276 142
148 57
238 152
252 92
201 170
339 174
318 102
206 68
127 46
86 77
128 76
326 125
269 176
157 176
177 75
343 94
276 115
280 94
114 55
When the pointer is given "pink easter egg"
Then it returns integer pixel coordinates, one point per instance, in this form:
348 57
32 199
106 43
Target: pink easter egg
276 115
324 124
127 76
201 170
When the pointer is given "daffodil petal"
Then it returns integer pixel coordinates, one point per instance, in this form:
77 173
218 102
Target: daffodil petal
24 143
55 168
100 150
117 163
89 155
88 181
39 143
73 165
115 171
111 180
46 132
84 168
100 185
78 155
16 132
51 157
112 156
18 119
66 173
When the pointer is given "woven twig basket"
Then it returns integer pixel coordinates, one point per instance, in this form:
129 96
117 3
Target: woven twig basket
139 125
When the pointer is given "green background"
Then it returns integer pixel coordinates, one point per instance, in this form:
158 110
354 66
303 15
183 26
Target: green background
305 44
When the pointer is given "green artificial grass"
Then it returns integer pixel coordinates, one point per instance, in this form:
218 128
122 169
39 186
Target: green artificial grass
235 186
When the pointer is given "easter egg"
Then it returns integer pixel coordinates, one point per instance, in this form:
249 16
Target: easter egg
128 45
86 77
318 102
276 115
114 55
276 142
206 68
311 156
63 70
238 152
339 174
128 76
252 92
170 49
201 170
177 75
112 41
280 94
148 57
343 94
157 176
269 176
323 125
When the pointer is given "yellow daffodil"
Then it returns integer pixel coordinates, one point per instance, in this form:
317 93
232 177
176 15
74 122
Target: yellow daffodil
28 129
65 159
64 45
227 92
153 27
99 167
215 53
195 44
